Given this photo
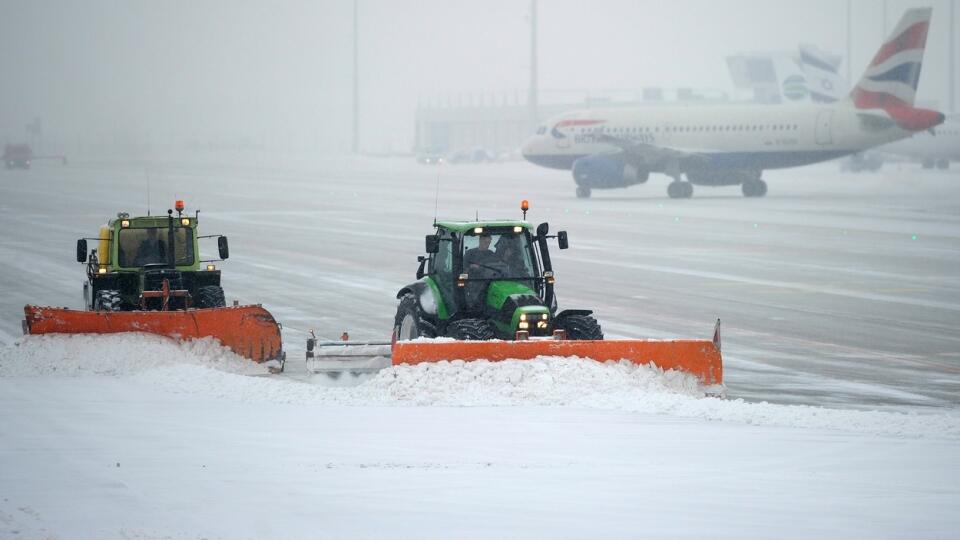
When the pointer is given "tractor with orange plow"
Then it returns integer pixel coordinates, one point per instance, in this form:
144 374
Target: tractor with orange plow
485 290
145 275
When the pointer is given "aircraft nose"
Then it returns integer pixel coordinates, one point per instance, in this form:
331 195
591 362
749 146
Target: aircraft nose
529 147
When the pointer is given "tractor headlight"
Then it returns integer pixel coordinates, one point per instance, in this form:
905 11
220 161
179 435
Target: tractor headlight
518 229
541 324
211 268
523 316
544 316
125 223
101 270
185 222
524 325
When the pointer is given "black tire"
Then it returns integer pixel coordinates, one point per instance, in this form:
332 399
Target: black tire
579 327
107 300
410 322
210 296
754 188
471 330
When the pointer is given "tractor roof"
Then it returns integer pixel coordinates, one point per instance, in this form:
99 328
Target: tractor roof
464 226
149 221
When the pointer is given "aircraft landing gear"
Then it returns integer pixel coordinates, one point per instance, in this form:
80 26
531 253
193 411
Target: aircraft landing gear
680 190
943 164
583 192
754 188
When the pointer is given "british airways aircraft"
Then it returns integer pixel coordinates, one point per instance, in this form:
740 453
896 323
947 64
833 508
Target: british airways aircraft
721 145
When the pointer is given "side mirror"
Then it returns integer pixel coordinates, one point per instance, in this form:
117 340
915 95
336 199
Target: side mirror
81 250
433 243
423 261
224 247
562 240
543 229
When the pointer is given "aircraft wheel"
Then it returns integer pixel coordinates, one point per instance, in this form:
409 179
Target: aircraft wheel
943 164
583 192
687 190
754 188
676 190
928 164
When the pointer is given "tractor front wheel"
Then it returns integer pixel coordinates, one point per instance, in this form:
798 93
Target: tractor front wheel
210 296
470 330
579 327
409 322
107 300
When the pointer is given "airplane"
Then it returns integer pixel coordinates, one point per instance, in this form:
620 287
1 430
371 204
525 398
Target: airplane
721 145
936 147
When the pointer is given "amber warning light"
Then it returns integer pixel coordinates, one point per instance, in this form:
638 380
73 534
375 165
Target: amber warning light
524 205
179 206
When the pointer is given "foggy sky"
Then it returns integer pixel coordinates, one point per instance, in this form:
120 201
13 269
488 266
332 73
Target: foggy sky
279 74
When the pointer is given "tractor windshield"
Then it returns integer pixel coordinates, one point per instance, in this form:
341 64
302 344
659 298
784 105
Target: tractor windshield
139 247
505 255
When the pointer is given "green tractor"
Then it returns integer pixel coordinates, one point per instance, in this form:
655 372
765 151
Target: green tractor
150 263
486 280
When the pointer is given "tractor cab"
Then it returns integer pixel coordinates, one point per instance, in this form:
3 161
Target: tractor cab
150 263
484 280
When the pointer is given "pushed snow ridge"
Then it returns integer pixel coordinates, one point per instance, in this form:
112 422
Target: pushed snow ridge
205 368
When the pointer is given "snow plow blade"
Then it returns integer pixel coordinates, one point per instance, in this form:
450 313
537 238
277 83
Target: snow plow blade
697 357
249 331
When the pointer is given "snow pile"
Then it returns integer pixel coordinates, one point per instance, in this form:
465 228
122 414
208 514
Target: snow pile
205 368
114 354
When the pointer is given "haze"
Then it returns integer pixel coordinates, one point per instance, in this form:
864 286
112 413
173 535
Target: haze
146 79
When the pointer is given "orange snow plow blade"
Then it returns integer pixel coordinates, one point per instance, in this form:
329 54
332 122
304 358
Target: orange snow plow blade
697 357
249 331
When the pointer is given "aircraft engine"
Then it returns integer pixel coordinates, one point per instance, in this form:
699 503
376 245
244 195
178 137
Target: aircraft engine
604 172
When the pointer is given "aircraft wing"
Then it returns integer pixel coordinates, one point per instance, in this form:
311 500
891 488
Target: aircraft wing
651 157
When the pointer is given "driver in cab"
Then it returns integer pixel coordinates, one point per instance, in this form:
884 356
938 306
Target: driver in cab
476 257
151 250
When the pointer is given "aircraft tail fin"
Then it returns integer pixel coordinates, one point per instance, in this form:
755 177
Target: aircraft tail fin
890 81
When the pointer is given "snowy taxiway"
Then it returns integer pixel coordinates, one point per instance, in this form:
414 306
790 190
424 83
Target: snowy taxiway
840 297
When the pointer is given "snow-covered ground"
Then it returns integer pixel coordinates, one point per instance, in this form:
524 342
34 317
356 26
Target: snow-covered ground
839 295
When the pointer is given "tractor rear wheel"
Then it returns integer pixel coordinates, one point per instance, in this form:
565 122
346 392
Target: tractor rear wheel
210 296
410 322
107 300
579 327
470 330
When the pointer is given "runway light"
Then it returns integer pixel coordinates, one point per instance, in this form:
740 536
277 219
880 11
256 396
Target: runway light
676 219
914 237
755 226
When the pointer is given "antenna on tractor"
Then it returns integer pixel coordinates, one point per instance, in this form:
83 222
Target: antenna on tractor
147 172
436 201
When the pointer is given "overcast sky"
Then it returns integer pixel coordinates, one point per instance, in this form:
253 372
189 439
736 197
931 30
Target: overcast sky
280 73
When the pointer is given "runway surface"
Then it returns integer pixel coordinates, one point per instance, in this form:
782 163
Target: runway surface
835 289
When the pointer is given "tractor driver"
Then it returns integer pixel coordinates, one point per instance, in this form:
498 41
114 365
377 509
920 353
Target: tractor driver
476 257
150 250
